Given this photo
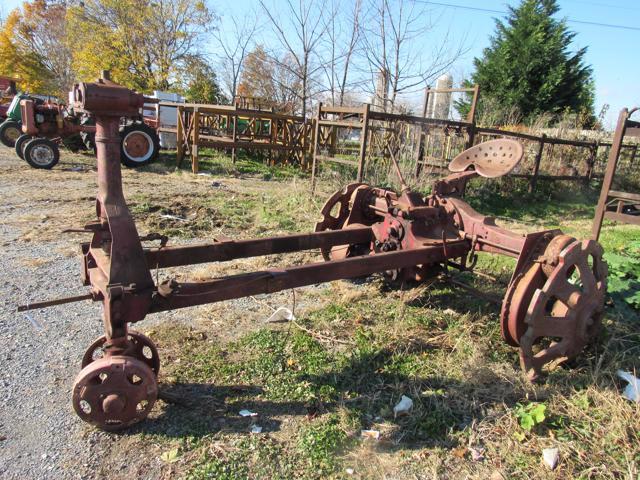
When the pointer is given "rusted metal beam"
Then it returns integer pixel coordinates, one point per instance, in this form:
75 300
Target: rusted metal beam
230 250
180 295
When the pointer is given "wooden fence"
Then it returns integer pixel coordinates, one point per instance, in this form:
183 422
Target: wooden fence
285 137
427 145
363 139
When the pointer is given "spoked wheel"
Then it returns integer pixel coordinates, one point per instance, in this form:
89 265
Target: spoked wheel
335 214
565 314
521 290
140 347
114 392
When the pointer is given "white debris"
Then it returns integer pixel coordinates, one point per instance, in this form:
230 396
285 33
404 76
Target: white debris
375 434
632 390
174 217
477 453
350 471
403 406
256 429
282 314
247 413
34 322
550 457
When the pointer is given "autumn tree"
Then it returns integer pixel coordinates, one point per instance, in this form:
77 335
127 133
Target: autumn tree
267 79
529 65
34 48
147 44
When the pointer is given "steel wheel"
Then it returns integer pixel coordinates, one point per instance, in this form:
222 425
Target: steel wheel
141 348
337 220
520 292
566 313
114 392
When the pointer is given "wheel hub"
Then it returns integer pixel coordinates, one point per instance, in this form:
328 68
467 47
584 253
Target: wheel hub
114 392
12 134
137 145
42 155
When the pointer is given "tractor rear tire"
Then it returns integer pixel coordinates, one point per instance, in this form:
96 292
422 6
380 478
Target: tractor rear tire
41 153
139 145
21 143
10 130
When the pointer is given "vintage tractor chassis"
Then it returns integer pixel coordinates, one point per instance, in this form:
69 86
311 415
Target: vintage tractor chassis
364 230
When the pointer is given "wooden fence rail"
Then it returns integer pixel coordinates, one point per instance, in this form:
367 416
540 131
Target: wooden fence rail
329 138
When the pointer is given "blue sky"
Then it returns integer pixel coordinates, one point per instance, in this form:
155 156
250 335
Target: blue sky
612 52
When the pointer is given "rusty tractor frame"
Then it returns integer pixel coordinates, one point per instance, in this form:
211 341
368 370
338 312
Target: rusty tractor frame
552 307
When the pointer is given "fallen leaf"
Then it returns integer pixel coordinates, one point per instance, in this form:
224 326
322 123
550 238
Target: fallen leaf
375 434
459 452
170 456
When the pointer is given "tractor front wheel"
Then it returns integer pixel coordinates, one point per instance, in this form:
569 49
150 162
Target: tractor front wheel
20 144
41 153
139 145
10 130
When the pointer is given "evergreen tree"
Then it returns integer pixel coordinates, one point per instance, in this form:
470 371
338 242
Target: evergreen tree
529 66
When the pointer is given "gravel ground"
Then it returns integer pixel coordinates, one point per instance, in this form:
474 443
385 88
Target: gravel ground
40 354
40 435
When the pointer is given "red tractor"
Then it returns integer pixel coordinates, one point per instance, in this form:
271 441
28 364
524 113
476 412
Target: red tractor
8 90
46 125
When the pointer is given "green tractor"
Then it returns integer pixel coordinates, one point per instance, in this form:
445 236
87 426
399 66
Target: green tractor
11 128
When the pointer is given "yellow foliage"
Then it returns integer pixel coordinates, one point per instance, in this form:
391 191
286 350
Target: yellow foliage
146 45
33 48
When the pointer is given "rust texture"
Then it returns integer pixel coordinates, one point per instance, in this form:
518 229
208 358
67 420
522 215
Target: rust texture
551 310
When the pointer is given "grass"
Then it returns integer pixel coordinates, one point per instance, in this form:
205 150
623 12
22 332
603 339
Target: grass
357 347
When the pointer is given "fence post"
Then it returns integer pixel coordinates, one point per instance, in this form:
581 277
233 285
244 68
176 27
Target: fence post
536 166
471 117
593 152
195 140
316 136
233 137
179 136
363 141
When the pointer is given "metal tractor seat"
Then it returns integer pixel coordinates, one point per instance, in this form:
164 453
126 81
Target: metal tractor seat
490 159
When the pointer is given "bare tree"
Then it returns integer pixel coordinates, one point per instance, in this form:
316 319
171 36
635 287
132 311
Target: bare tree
234 45
299 37
394 41
340 42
